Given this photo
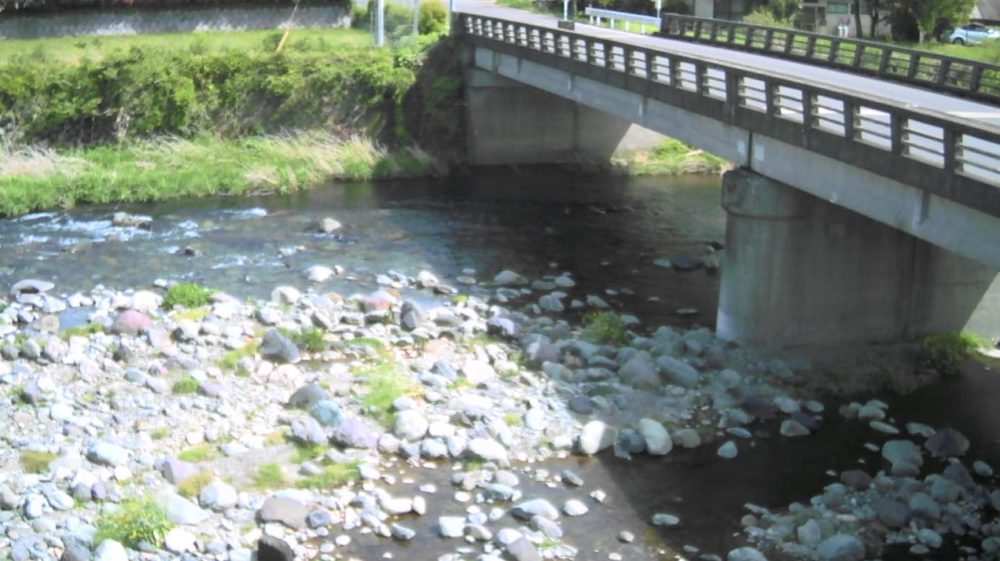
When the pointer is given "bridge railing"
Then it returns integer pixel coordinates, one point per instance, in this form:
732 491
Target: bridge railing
955 158
970 78
596 15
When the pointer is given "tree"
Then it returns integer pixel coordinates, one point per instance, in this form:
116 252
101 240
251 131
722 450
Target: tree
927 13
875 8
857 20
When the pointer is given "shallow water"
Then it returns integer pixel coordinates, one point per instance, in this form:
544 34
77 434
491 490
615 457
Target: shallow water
606 230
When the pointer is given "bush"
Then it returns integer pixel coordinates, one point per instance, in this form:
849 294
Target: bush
764 16
186 385
49 6
148 92
136 520
36 461
187 294
945 352
433 17
607 328
193 484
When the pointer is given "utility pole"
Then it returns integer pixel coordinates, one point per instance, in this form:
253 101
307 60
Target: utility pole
379 23
416 17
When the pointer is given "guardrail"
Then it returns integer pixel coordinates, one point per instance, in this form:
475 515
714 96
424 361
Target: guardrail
969 78
951 157
597 14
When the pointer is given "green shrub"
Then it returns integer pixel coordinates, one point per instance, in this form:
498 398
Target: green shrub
136 520
433 17
332 475
309 339
187 294
765 16
945 352
607 328
193 484
82 330
384 384
199 453
187 384
269 476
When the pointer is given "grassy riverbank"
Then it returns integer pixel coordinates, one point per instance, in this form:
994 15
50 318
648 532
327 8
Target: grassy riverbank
151 170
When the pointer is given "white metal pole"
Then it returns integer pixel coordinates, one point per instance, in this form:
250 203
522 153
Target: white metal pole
379 23
565 9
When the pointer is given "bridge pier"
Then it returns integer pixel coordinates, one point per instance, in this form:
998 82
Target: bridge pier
801 271
513 124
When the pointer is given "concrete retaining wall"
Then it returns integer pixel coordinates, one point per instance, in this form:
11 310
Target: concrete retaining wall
130 21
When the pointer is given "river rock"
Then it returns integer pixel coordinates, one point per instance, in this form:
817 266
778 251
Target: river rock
596 436
892 512
178 540
489 450
328 225
30 286
728 450
841 547
306 397
318 273
580 404
946 443
678 372
218 495
355 432
308 430
745 554
657 439
289 512
410 425
451 526
535 507
523 550
904 457
793 428
276 347
509 278
270 548
664 519
175 470
575 507
809 533
686 438
640 371
182 511
110 550
131 322
401 533
107 454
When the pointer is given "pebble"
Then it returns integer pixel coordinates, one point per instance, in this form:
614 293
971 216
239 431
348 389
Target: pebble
728 450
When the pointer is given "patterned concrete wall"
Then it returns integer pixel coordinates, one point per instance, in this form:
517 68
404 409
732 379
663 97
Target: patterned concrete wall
125 22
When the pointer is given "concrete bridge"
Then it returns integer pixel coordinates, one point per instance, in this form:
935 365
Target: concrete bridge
861 210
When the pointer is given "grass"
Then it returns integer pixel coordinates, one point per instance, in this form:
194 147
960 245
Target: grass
269 476
309 339
306 452
673 157
36 461
199 453
607 328
187 295
193 484
945 352
190 314
82 330
231 359
186 385
384 383
136 520
170 168
74 50
159 433
333 475
512 418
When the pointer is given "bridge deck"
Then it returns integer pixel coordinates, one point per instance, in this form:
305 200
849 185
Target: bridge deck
975 112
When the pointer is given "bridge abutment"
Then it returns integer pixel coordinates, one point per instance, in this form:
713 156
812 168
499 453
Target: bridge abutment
513 124
801 271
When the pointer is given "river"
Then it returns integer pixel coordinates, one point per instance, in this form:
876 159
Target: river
607 231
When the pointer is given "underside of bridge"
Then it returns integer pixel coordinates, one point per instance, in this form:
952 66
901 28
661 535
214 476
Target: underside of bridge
818 252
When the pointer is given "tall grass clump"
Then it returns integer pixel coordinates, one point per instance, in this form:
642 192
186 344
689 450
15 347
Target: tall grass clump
945 352
136 520
384 383
188 295
607 328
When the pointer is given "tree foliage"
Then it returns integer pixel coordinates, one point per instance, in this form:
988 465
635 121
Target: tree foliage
930 14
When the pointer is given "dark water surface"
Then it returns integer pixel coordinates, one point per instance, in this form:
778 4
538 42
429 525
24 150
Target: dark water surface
607 231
